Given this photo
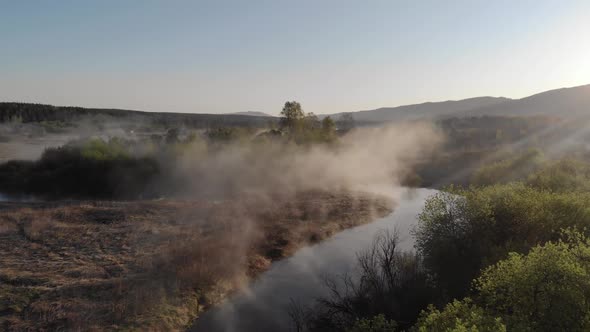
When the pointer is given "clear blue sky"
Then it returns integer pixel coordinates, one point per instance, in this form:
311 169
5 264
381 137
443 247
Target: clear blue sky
332 56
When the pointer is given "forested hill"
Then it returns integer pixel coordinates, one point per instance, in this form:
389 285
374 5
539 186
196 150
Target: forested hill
566 102
563 103
573 102
25 112
424 110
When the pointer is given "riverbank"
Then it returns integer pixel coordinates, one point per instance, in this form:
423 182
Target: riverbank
267 303
152 265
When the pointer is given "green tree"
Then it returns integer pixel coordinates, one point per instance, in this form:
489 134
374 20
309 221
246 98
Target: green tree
291 115
546 290
447 239
462 231
458 316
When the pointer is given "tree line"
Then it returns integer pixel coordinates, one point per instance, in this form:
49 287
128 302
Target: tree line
509 254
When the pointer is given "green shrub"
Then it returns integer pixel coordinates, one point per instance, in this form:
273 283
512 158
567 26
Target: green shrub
545 290
98 149
458 316
462 231
89 169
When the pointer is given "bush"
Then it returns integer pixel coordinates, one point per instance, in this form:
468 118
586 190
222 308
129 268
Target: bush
462 231
92 169
458 316
97 149
546 290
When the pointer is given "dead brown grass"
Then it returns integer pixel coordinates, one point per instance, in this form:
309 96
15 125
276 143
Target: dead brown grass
151 265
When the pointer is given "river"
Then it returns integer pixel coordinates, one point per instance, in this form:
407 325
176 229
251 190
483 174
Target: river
263 306
20 199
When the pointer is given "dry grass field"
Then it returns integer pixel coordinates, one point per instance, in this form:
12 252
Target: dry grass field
152 265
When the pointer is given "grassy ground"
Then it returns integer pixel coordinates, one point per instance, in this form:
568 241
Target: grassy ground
151 265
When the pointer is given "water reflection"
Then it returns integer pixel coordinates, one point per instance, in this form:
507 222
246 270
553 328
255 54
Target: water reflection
262 307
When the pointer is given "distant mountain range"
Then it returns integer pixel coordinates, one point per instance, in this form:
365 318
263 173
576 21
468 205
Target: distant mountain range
251 113
424 110
564 102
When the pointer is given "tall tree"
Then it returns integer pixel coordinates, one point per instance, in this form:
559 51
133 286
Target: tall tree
291 114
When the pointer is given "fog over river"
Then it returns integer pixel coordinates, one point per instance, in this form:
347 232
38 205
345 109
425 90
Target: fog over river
263 306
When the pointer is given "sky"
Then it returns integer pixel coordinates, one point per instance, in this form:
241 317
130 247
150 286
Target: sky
332 56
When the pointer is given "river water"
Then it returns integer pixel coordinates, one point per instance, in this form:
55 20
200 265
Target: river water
8 198
263 306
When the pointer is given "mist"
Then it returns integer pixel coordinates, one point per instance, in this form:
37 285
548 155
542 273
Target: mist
365 159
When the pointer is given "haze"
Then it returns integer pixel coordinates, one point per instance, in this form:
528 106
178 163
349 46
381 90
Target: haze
332 56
